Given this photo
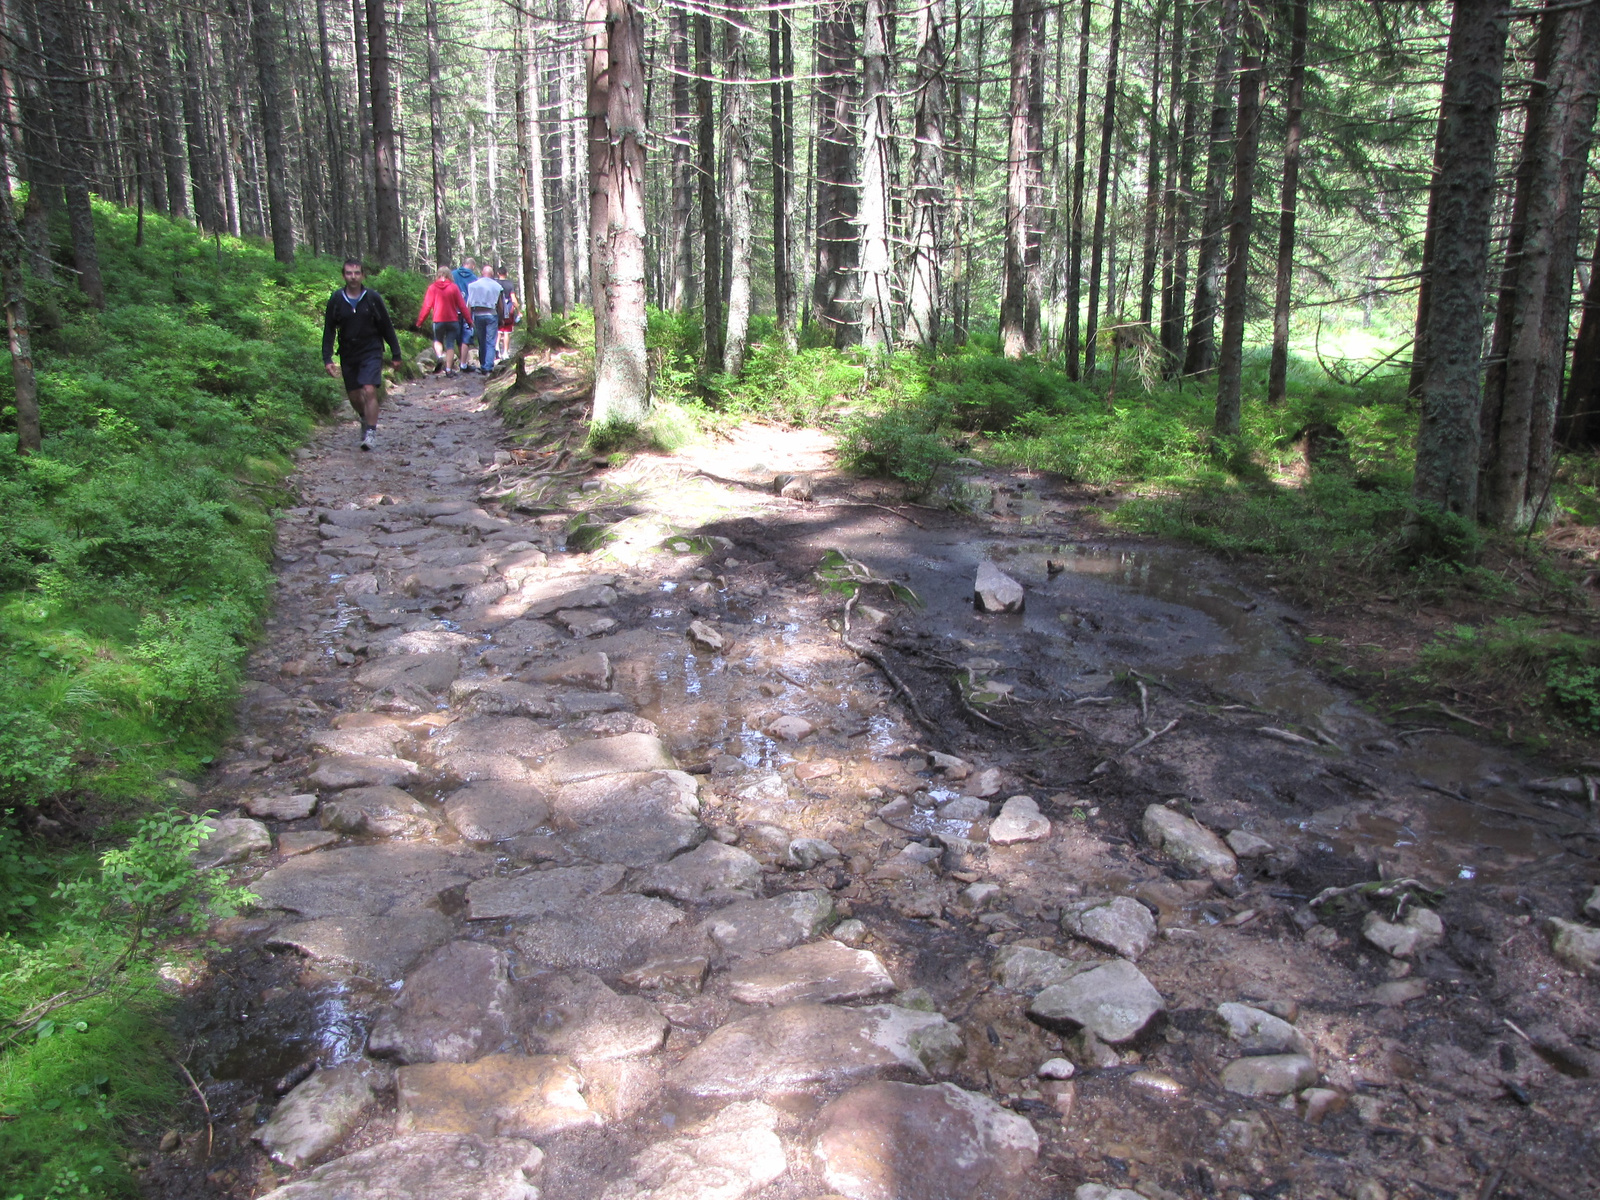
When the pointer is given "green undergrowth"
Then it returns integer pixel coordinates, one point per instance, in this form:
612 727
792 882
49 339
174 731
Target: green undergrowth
134 571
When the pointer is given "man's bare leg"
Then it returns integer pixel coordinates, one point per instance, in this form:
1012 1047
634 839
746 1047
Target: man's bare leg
364 400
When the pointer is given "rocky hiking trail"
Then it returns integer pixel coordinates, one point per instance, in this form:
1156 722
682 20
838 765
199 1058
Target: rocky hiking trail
598 858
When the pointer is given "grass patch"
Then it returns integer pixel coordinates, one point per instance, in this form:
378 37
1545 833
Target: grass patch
133 574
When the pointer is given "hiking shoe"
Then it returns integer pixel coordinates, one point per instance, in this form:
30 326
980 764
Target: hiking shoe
369 437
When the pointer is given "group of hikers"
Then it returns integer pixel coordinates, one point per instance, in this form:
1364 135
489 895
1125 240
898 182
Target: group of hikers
470 308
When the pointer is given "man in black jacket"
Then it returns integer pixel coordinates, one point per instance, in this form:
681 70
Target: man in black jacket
362 322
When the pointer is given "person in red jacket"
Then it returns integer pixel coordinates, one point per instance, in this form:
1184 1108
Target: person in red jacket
442 304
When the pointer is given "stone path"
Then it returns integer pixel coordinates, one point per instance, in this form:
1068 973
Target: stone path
617 878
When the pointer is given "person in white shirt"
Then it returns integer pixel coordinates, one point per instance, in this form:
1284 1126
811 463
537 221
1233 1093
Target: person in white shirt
486 300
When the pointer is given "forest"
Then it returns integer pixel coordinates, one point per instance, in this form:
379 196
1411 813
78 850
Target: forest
1314 284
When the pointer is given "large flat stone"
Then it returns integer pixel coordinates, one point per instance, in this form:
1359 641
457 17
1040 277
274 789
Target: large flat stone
381 946
282 808
378 740
1269 1075
803 1047
753 927
519 737
901 1141
361 770
230 840
482 766
378 812
608 933
711 872
733 1154
504 697
994 591
1114 1001
371 880
629 752
427 672
636 819
824 972
429 641
502 1095
591 670
576 1014
318 1115
1122 925
432 1165
1030 970
1188 842
540 598
458 1005
495 811
539 893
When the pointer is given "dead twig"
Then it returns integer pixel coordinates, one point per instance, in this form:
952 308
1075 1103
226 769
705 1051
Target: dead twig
877 660
200 1095
1151 736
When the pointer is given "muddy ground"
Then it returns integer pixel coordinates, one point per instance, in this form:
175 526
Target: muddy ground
1466 1069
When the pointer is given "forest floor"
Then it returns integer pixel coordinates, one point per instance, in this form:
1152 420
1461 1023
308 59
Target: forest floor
600 863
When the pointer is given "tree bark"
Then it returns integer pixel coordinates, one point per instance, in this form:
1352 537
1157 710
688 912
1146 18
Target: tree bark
69 97
338 167
436 144
264 40
491 120
368 172
1177 293
614 42
1152 189
1080 151
535 222
165 87
930 203
715 320
1241 221
389 238
1107 128
1021 168
835 292
1581 408
680 292
780 67
203 171
1289 196
738 116
13 283
877 303
1523 382
1448 437
1200 356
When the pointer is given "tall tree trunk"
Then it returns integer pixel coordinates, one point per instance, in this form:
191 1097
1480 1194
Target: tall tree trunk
680 293
1173 303
835 292
1529 346
389 243
710 219
1200 356
1241 220
1580 411
535 223
780 94
69 97
877 303
1107 129
561 287
1019 192
1152 185
1448 436
338 172
738 116
615 49
441 218
203 171
13 285
1080 151
1419 338
265 39
165 86
927 179
1033 235
1289 196
491 119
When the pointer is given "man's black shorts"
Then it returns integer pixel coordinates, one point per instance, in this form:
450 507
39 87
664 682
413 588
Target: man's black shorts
362 370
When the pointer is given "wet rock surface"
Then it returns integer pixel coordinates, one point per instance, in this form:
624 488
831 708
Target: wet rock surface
624 851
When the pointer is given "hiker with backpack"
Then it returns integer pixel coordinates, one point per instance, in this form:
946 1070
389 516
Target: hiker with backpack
359 317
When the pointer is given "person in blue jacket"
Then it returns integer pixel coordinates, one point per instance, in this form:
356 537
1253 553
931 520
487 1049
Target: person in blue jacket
463 277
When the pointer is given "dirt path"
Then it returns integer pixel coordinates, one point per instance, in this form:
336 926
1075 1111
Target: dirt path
617 874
